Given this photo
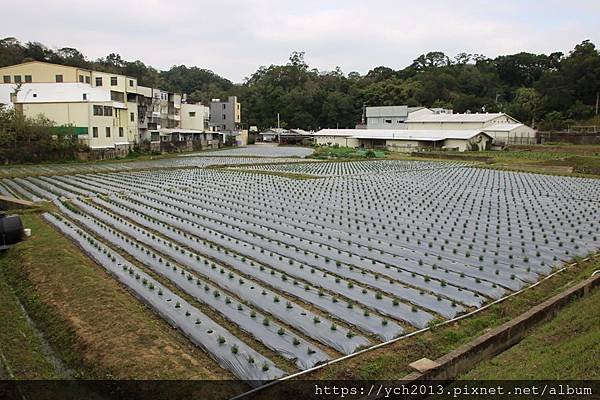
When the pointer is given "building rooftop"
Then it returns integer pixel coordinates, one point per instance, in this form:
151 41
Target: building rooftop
502 127
54 92
387 111
476 117
401 134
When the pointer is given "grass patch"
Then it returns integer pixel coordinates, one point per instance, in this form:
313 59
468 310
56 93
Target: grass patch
391 362
561 159
333 152
22 356
98 329
567 347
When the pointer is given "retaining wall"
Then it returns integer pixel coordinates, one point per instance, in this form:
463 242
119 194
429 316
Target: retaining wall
499 339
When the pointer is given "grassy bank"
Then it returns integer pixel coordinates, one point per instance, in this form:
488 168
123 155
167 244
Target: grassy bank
555 159
391 362
21 348
96 327
567 347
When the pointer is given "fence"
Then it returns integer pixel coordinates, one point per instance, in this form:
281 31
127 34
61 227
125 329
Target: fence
569 137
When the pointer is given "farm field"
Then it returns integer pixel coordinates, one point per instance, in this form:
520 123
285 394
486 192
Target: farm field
271 275
258 150
350 168
558 159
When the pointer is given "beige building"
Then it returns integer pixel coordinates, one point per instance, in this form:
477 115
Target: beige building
404 140
195 116
101 107
42 72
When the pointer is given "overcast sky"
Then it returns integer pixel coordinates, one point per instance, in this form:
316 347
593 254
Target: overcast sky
234 38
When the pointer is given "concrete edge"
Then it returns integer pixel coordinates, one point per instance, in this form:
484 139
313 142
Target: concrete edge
501 338
10 203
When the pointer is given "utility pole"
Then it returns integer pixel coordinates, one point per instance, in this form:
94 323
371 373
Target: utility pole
278 130
597 101
364 112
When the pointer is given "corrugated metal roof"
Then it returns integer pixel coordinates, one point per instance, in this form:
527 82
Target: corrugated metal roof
456 117
502 127
401 134
387 111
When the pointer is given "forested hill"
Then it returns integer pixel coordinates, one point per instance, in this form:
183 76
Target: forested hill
551 90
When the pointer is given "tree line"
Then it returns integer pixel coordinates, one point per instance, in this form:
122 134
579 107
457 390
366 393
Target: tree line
549 91
25 139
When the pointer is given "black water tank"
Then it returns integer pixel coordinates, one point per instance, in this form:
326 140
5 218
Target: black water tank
11 230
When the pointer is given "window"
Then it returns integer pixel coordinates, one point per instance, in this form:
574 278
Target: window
59 78
120 131
107 111
35 95
192 114
224 106
95 131
6 78
131 82
84 96
388 121
87 79
132 117
27 78
98 110
17 78
108 131
99 81
117 96
224 116
81 78
113 81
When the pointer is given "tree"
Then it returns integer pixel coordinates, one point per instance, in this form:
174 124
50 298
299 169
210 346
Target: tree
525 105
554 88
433 59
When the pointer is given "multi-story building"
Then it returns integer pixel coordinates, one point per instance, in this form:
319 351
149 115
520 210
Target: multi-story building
111 113
101 107
225 116
391 117
226 119
195 116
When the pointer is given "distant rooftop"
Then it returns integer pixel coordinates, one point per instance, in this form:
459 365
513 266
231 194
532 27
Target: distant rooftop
387 111
502 127
476 117
401 134
54 92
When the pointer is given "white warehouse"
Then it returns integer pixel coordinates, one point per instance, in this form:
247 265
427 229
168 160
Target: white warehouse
404 140
502 127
